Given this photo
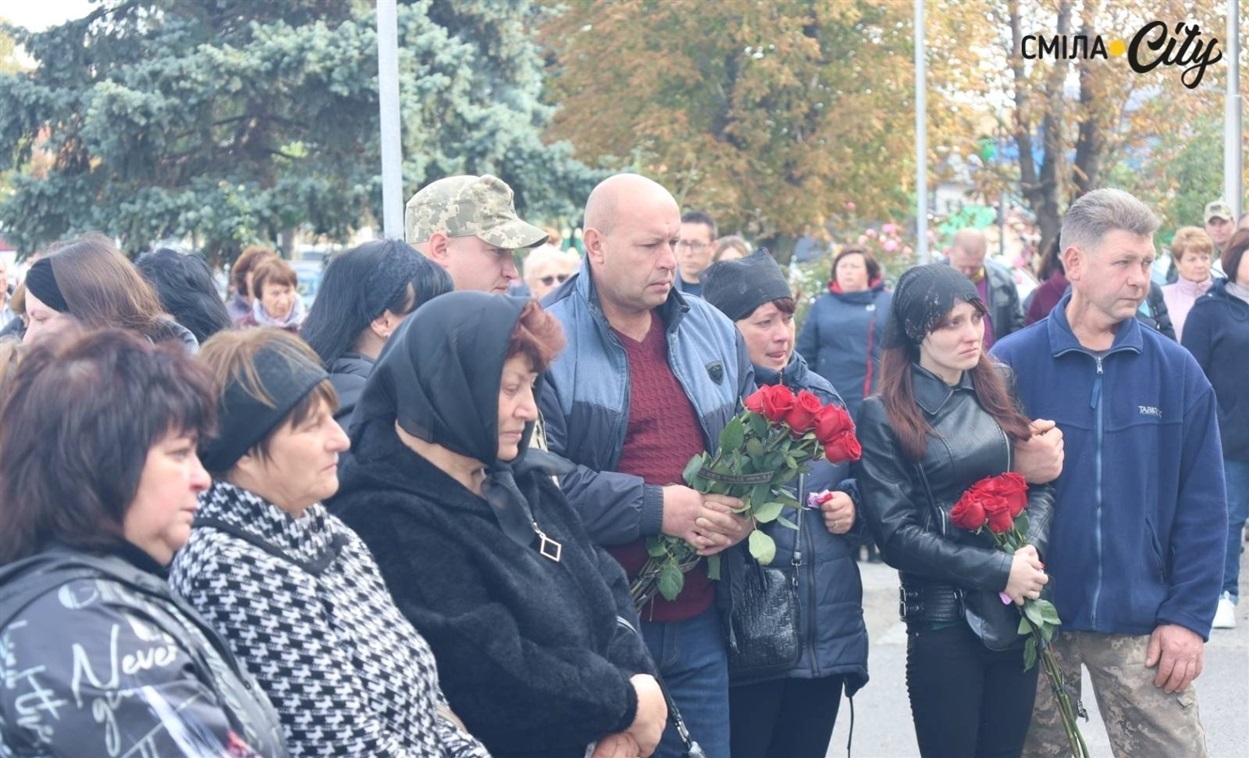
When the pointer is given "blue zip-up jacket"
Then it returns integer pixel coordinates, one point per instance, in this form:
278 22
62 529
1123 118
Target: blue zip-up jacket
1140 518
830 590
1217 334
840 340
585 400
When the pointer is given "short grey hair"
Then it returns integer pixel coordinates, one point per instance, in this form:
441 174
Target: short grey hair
1093 216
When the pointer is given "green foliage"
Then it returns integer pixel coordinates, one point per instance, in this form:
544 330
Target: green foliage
762 547
234 121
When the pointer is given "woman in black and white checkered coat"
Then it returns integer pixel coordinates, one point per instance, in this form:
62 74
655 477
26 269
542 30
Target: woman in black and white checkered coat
293 590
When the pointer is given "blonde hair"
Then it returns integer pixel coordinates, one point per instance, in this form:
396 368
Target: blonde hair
1191 239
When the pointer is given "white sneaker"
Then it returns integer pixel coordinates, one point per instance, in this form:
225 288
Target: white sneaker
1225 615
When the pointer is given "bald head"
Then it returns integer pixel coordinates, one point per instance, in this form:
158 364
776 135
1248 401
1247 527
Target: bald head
619 194
967 252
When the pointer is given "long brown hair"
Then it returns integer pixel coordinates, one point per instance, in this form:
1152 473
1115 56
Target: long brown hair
103 289
906 418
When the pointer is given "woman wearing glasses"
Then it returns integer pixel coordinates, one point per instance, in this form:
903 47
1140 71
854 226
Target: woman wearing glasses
547 267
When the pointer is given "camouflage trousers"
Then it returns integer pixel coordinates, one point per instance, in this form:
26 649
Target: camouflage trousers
1142 721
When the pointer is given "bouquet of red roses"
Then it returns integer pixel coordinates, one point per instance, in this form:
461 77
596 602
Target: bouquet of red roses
760 451
1000 504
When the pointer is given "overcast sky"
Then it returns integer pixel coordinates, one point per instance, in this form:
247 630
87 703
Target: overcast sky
40 14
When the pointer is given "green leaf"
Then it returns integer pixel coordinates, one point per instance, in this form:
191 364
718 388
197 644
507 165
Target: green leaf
713 568
785 498
1025 626
1047 632
655 547
1029 653
786 477
760 494
754 448
762 547
733 434
671 581
1033 613
768 512
1021 522
758 426
690 474
786 522
1049 612
790 462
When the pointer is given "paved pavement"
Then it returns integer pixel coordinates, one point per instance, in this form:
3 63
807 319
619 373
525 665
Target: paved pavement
882 714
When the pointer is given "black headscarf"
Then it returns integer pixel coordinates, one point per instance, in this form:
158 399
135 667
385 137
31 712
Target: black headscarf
924 295
439 374
439 377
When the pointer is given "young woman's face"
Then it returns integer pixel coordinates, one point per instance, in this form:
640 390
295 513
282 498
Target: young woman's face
159 518
769 336
517 405
43 320
955 344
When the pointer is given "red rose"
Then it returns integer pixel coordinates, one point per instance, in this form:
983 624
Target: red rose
844 447
968 512
754 402
831 422
998 511
801 418
778 400
1011 488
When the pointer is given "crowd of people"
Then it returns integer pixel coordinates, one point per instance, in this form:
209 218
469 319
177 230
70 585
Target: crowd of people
406 520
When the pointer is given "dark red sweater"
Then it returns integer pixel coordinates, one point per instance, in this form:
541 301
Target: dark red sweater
663 434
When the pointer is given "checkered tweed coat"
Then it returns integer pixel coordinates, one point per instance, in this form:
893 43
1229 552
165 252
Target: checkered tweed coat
303 606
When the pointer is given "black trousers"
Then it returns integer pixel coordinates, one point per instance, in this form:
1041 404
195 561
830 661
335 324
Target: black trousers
783 718
965 699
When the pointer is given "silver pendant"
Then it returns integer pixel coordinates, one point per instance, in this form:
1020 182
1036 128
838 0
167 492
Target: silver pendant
549 548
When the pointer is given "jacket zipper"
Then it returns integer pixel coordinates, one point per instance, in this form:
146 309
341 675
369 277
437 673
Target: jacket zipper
805 536
1095 402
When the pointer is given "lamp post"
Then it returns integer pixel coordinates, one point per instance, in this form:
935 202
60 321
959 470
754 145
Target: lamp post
388 103
921 135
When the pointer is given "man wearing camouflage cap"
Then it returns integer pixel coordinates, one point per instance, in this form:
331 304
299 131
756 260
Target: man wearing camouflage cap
468 225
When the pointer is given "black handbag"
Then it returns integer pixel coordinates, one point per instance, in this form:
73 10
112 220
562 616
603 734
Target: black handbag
764 619
994 622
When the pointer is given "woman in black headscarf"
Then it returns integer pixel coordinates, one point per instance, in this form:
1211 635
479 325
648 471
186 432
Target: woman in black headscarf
943 420
529 621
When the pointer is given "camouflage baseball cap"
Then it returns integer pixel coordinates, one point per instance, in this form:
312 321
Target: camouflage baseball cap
1218 209
463 206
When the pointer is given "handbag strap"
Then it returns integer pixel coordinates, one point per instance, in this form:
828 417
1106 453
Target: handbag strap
692 748
923 481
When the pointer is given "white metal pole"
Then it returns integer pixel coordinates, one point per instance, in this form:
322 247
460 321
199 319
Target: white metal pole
388 102
921 134
1233 132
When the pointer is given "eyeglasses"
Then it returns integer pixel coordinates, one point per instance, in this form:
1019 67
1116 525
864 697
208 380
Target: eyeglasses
697 247
549 280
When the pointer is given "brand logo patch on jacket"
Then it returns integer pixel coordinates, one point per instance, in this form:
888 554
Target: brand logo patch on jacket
715 370
1149 410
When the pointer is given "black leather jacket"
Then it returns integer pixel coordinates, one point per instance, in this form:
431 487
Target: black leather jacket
941 565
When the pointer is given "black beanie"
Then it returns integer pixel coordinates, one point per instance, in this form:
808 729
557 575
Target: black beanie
924 295
41 282
738 287
244 420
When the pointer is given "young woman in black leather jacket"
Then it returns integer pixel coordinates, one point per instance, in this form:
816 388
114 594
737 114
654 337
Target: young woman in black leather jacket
943 420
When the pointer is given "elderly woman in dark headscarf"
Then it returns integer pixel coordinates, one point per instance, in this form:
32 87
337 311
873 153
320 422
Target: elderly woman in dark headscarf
944 419
530 621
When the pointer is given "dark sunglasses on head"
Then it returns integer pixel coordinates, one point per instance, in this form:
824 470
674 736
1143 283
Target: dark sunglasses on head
549 280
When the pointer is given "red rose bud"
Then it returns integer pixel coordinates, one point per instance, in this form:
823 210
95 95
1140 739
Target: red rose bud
968 513
1011 488
844 447
801 418
754 402
778 400
831 422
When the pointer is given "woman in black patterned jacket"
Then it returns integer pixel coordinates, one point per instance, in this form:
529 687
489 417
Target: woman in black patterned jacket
293 590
